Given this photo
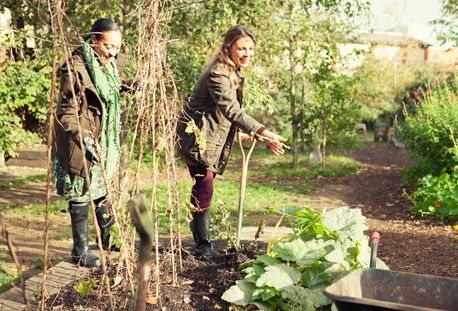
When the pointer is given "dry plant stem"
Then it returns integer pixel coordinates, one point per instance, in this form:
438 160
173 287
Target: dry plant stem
271 239
53 12
155 116
10 245
171 231
156 223
177 205
68 59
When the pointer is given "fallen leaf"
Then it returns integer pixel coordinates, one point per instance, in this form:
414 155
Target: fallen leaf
217 307
212 290
205 298
152 300
189 282
455 227
117 280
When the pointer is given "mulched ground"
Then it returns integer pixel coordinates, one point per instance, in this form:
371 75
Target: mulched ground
199 286
409 243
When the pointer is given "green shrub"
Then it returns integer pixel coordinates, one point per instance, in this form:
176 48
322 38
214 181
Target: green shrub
431 133
24 91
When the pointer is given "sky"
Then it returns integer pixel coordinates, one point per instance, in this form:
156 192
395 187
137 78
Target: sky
407 16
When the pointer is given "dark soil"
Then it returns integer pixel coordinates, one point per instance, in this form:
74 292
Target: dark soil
409 243
199 286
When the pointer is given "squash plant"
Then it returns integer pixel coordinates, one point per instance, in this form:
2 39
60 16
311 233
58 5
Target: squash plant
292 274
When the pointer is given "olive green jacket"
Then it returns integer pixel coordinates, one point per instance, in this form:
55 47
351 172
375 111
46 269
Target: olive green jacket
89 106
216 108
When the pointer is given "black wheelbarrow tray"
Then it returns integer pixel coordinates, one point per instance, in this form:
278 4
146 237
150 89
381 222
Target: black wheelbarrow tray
379 290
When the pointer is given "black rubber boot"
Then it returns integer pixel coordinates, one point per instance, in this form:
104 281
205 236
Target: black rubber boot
200 231
105 221
80 253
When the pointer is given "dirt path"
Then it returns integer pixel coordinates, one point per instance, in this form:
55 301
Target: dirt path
408 243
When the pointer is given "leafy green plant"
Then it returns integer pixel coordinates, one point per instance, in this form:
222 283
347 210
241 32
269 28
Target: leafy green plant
431 134
321 249
85 287
220 226
24 90
437 196
430 130
7 279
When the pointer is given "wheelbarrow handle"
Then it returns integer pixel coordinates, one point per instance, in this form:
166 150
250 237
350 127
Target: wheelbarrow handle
375 240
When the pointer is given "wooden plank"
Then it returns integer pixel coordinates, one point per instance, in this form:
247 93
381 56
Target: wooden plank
9 305
57 277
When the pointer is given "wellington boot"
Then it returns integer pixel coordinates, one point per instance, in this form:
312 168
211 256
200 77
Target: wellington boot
105 221
80 252
200 230
207 251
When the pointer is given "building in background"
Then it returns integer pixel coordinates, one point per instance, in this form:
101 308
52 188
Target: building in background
397 48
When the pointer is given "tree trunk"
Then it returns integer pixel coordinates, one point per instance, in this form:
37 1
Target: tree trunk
302 125
293 103
325 136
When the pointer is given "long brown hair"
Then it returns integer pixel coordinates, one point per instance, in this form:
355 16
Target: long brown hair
223 56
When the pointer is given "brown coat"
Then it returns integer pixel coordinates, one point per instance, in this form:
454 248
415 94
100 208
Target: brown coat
216 108
88 104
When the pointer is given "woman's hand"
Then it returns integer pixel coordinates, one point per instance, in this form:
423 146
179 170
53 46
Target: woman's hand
274 141
244 136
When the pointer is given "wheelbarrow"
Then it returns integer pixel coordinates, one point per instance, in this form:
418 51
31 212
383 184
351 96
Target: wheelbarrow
371 289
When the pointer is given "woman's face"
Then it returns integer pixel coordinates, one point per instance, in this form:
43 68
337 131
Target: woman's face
242 51
108 46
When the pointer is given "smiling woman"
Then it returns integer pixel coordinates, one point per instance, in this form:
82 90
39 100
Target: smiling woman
86 143
209 123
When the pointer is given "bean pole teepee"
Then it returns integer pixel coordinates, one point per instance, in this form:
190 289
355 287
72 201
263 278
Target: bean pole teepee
150 118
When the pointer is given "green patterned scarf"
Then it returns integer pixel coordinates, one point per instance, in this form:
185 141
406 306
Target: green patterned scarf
108 85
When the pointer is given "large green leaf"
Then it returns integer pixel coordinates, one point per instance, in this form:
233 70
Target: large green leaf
348 223
279 276
240 294
267 260
254 272
338 254
303 253
317 277
300 298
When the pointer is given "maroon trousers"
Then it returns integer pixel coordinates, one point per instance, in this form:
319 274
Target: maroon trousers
202 190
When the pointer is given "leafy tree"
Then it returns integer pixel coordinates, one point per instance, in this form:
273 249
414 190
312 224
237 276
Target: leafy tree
333 109
305 32
447 25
